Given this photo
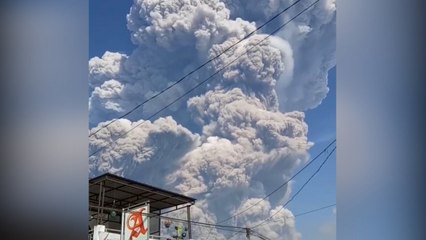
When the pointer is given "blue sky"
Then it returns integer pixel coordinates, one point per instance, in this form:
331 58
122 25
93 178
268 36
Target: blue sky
321 191
108 32
107 27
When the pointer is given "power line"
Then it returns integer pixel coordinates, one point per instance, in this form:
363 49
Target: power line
235 234
275 31
314 210
204 224
257 234
204 81
297 215
199 223
231 228
194 70
300 214
227 229
252 233
311 5
243 229
294 196
281 186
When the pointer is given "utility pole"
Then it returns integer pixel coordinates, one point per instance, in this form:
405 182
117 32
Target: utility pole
248 233
258 235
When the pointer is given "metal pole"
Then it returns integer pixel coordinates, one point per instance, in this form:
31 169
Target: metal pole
159 222
99 202
106 208
188 213
248 233
102 205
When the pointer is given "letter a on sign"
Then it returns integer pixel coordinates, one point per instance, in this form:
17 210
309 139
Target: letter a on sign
136 223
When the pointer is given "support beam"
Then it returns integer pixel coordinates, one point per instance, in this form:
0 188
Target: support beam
102 204
99 202
106 208
188 213
146 189
159 222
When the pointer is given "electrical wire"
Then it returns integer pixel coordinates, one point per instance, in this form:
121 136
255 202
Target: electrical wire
257 234
275 31
199 223
300 214
314 210
201 83
294 196
204 224
281 186
269 218
194 70
235 234
237 229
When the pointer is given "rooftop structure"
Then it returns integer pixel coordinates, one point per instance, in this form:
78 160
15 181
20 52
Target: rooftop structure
110 194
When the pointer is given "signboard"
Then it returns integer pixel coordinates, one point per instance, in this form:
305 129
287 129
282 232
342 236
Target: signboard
97 229
136 223
109 236
100 233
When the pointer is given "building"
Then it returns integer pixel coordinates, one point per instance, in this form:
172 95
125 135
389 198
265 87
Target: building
110 195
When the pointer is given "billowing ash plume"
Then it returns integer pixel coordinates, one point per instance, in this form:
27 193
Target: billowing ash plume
234 139
148 145
312 37
280 226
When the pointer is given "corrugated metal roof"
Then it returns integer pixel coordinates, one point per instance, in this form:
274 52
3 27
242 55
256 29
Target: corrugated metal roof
122 193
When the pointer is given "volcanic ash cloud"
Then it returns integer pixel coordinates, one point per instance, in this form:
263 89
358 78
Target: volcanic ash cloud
237 137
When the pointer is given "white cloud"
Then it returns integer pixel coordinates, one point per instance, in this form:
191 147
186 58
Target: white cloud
304 29
328 231
331 5
107 67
